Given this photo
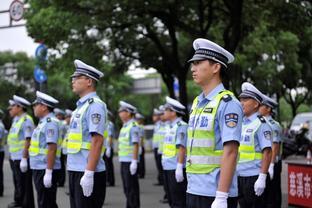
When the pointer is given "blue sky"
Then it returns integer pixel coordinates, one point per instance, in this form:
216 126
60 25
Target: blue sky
16 38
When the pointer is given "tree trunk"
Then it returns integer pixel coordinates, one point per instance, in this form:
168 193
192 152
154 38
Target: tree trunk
168 79
183 92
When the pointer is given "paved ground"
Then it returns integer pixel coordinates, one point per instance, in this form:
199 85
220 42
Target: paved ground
150 194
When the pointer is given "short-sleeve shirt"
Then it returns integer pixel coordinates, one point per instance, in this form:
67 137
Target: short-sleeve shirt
263 139
25 132
207 184
49 133
181 140
134 139
276 130
78 161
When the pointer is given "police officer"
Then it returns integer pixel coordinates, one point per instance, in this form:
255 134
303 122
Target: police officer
255 150
85 147
60 115
275 168
45 150
18 140
155 145
68 114
109 153
2 141
173 158
214 131
128 151
141 168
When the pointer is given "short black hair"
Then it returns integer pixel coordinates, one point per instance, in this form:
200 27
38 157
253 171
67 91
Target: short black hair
223 71
50 109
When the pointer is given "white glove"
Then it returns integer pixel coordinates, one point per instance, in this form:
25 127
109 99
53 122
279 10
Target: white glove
140 150
108 152
133 167
179 173
23 165
220 200
260 184
271 170
86 182
47 178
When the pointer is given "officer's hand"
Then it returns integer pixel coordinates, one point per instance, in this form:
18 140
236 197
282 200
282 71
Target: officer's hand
86 182
179 173
260 184
271 170
47 178
220 200
108 152
133 167
23 165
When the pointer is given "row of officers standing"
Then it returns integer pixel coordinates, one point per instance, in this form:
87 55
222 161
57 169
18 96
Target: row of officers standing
226 154
83 139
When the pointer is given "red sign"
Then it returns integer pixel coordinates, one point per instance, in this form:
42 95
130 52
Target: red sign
300 185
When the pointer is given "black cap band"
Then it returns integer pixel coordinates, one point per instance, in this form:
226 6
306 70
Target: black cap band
44 102
87 72
210 53
250 94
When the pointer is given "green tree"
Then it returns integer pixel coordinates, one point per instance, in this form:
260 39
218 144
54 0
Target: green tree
159 34
156 33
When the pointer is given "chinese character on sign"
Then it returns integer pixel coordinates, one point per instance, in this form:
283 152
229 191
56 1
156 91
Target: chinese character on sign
292 184
299 185
307 186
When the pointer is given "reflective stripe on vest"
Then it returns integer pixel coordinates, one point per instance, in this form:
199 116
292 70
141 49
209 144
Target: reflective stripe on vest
201 154
170 148
247 152
125 148
14 143
35 148
162 131
156 136
75 138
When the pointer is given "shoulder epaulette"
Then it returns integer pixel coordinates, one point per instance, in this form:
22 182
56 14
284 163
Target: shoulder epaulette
261 118
90 100
134 124
227 98
49 119
179 123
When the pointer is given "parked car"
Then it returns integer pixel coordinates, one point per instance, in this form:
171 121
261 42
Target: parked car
298 122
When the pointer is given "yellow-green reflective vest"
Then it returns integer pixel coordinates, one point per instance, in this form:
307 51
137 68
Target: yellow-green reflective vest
14 143
247 152
125 147
201 154
156 135
35 147
170 148
162 131
75 138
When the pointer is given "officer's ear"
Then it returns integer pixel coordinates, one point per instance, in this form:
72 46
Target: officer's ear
216 67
